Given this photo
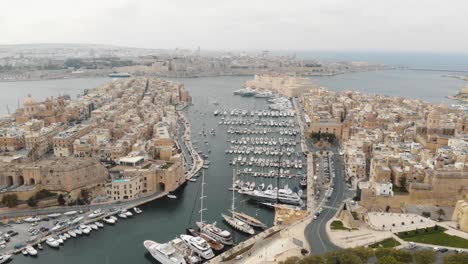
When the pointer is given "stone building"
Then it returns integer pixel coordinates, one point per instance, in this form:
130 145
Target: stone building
52 110
460 214
63 141
11 139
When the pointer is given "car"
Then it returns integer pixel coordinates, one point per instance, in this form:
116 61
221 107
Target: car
459 251
315 217
12 233
443 250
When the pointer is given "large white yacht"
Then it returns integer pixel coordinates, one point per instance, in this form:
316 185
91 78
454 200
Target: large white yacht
164 253
286 196
199 245
216 233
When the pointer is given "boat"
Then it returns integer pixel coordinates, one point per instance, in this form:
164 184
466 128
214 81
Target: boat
99 224
78 231
72 233
63 237
164 253
54 215
4 258
249 220
199 245
25 252
32 219
172 196
39 246
67 235
215 245
236 223
93 226
108 220
52 242
285 196
122 215
85 229
96 213
192 180
137 210
114 218
127 213
69 213
59 240
119 75
31 251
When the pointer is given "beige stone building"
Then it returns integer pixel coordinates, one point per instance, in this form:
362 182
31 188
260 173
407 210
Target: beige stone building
63 141
460 214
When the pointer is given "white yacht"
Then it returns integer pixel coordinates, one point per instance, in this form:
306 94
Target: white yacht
96 213
32 219
4 258
137 210
69 213
78 231
62 237
67 235
93 226
164 253
72 233
285 196
216 233
122 215
99 224
108 220
127 213
31 251
85 229
58 239
52 242
199 245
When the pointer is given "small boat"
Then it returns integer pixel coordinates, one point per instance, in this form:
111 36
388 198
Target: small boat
172 196
96 213
52 242
67 235
55 215
72 233
114 218
215 245
78 231
108 220
99 224
4 258
137 210
192 180
31 251
32 219
122 215
25 252
127 213
93 226
85 229
39 246
58 239
62 237
69 213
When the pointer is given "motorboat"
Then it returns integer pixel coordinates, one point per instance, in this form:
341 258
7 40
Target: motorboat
114 218
76 219
70 213
52 242
72 233
96 213
122 215
62 237
32 219
55 215
137 210
31 251
25 252
99 224
198 245
4 258
78 231
85 229
67 235
215 245
127 213
108 220
172 196
59 240
93 226
39 246
164 253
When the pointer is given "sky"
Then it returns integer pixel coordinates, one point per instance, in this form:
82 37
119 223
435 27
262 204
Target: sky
330 25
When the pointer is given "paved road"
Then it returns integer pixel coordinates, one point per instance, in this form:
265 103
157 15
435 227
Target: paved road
315 232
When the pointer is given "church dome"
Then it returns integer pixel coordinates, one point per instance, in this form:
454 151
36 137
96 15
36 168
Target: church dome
29 100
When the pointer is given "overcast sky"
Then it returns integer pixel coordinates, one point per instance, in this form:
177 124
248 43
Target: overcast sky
390 25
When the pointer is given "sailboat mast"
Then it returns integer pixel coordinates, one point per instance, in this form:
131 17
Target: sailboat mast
202 196
233 193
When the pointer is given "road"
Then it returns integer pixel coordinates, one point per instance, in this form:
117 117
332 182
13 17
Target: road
315 232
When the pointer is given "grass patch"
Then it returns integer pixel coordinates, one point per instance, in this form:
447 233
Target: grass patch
386 243
434 236
338 225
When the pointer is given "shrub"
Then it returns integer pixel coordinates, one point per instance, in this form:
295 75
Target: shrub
10 200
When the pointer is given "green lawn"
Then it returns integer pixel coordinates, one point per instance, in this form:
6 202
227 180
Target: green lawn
434 237
338 225
386 243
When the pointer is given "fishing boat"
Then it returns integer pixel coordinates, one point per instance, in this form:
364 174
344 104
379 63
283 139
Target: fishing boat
52 242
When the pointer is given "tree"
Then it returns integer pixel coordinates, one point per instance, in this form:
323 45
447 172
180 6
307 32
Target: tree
32 202
426 214
61 200
312 260
290 260
85 195
424 257
10 200
388 260
456 258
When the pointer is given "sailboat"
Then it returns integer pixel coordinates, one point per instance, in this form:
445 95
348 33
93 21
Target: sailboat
211 242
233 221
211 230
250 220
